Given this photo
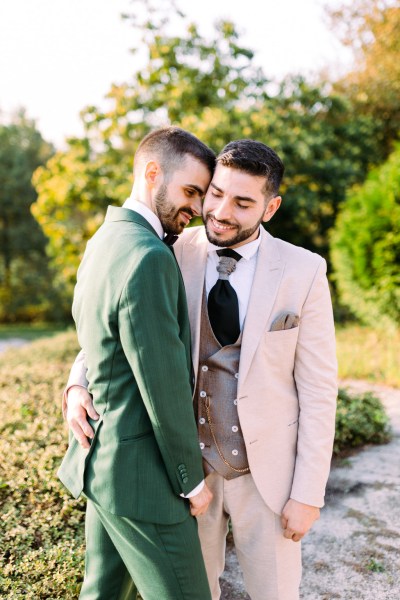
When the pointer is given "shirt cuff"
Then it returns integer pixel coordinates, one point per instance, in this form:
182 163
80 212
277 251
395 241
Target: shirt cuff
195 491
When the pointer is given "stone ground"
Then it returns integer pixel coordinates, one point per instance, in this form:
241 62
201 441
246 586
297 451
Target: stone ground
353 551
11 343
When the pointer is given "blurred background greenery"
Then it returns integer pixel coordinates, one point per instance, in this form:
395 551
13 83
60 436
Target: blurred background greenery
337 137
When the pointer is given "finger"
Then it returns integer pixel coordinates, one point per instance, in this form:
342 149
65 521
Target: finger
86 428
288 533
91 411
198 510
77 419
87 403
296 537
77 416
284 522
79 435
64 407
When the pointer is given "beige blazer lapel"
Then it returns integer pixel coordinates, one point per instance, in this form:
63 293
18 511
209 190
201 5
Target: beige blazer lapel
267 278
192 259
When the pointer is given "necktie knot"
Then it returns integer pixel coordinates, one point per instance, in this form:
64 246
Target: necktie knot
170 239
227 262
229 252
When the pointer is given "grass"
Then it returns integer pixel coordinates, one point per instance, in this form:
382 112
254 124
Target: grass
31 331
372 355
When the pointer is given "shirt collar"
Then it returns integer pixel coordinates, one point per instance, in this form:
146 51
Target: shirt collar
247 251
146 213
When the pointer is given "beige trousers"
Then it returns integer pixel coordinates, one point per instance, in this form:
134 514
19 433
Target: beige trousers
271 564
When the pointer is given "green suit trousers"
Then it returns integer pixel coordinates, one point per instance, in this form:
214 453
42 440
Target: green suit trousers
164 561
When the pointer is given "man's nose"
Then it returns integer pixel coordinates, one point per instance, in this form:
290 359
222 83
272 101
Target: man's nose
222 212
196 206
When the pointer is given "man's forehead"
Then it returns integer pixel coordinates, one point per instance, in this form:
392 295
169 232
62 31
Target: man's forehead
231 178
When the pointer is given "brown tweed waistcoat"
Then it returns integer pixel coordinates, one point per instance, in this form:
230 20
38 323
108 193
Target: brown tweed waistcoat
215 401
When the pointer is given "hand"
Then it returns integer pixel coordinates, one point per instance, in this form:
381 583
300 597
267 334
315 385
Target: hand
200 502
297 519
79 405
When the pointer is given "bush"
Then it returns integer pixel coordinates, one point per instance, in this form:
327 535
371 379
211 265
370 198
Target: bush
42 534
365 247
360 419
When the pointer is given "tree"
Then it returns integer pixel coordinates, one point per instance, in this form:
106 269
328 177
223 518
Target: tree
23 260
212 88
75 186
371 29
366 246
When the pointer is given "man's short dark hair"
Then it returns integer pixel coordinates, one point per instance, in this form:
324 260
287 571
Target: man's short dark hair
254 158
170 145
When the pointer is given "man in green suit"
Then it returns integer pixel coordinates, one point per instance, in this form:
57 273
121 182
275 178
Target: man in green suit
132 323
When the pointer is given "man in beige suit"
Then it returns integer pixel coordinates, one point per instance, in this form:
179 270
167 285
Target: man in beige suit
265 391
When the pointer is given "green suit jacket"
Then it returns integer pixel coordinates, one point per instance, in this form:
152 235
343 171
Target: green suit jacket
132 323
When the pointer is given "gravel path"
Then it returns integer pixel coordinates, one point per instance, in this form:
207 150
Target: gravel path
353 551
12 343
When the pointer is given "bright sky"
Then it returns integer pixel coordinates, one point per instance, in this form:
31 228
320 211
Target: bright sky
57 56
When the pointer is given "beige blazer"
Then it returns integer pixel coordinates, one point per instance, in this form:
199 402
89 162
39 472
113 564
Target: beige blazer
287 384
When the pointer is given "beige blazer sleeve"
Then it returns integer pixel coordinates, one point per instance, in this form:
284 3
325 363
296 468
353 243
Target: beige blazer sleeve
315 374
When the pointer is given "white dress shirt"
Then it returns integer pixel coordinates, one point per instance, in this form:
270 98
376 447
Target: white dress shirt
242 277
146 213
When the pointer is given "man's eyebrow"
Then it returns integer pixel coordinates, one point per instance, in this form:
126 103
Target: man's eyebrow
240 198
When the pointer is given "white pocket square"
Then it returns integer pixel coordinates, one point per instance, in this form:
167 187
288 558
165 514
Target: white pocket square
285 320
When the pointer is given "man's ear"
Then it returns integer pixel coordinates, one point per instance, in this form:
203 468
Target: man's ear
272 207
152 173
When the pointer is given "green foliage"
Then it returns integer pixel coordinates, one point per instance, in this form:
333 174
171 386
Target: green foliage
212 88
360 420
25 281
42 528
371 29
366 247
374 566
41 538
74 190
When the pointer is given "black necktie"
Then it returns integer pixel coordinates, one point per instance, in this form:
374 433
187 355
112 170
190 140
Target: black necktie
223 305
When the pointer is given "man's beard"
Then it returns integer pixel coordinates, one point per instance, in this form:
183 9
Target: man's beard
167 211
239 235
